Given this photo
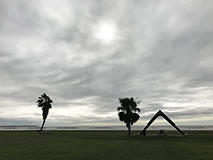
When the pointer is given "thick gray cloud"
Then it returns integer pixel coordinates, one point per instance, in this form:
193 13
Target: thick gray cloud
160 52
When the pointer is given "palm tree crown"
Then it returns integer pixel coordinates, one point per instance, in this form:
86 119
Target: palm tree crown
43 101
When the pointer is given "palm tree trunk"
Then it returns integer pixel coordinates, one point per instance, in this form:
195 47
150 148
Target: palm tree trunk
129 128
42 124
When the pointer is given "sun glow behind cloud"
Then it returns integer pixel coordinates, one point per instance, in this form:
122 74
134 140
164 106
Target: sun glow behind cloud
106 32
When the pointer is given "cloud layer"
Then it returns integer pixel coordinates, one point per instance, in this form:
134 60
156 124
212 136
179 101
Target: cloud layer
160 52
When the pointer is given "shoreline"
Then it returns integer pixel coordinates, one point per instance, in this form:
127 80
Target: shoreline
105 128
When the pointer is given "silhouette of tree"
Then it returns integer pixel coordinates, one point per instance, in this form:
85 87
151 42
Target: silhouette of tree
44 101
128 111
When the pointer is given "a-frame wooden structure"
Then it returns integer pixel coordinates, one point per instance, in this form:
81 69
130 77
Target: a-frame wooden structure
160 113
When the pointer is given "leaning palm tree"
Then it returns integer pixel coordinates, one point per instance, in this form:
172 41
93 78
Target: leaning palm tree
128 111
44 101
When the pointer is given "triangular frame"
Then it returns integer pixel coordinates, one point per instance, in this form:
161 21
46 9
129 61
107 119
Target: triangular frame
160 113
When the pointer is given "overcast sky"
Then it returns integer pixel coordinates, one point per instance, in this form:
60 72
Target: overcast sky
87 54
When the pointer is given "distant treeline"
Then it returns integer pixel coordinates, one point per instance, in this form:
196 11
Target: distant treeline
20 126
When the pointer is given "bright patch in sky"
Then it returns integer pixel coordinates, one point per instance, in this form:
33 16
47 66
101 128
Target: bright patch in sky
106 33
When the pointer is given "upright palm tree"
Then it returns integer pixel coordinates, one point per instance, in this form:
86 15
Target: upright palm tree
44 101
128 111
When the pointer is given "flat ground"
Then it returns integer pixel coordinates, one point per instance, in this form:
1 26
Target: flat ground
101 145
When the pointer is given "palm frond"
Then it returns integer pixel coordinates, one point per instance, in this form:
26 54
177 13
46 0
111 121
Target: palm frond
121 116
125 103
138 109
138 102
135 117
120 108
40 102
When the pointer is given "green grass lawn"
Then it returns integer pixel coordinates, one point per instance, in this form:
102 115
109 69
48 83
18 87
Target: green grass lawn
101 145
